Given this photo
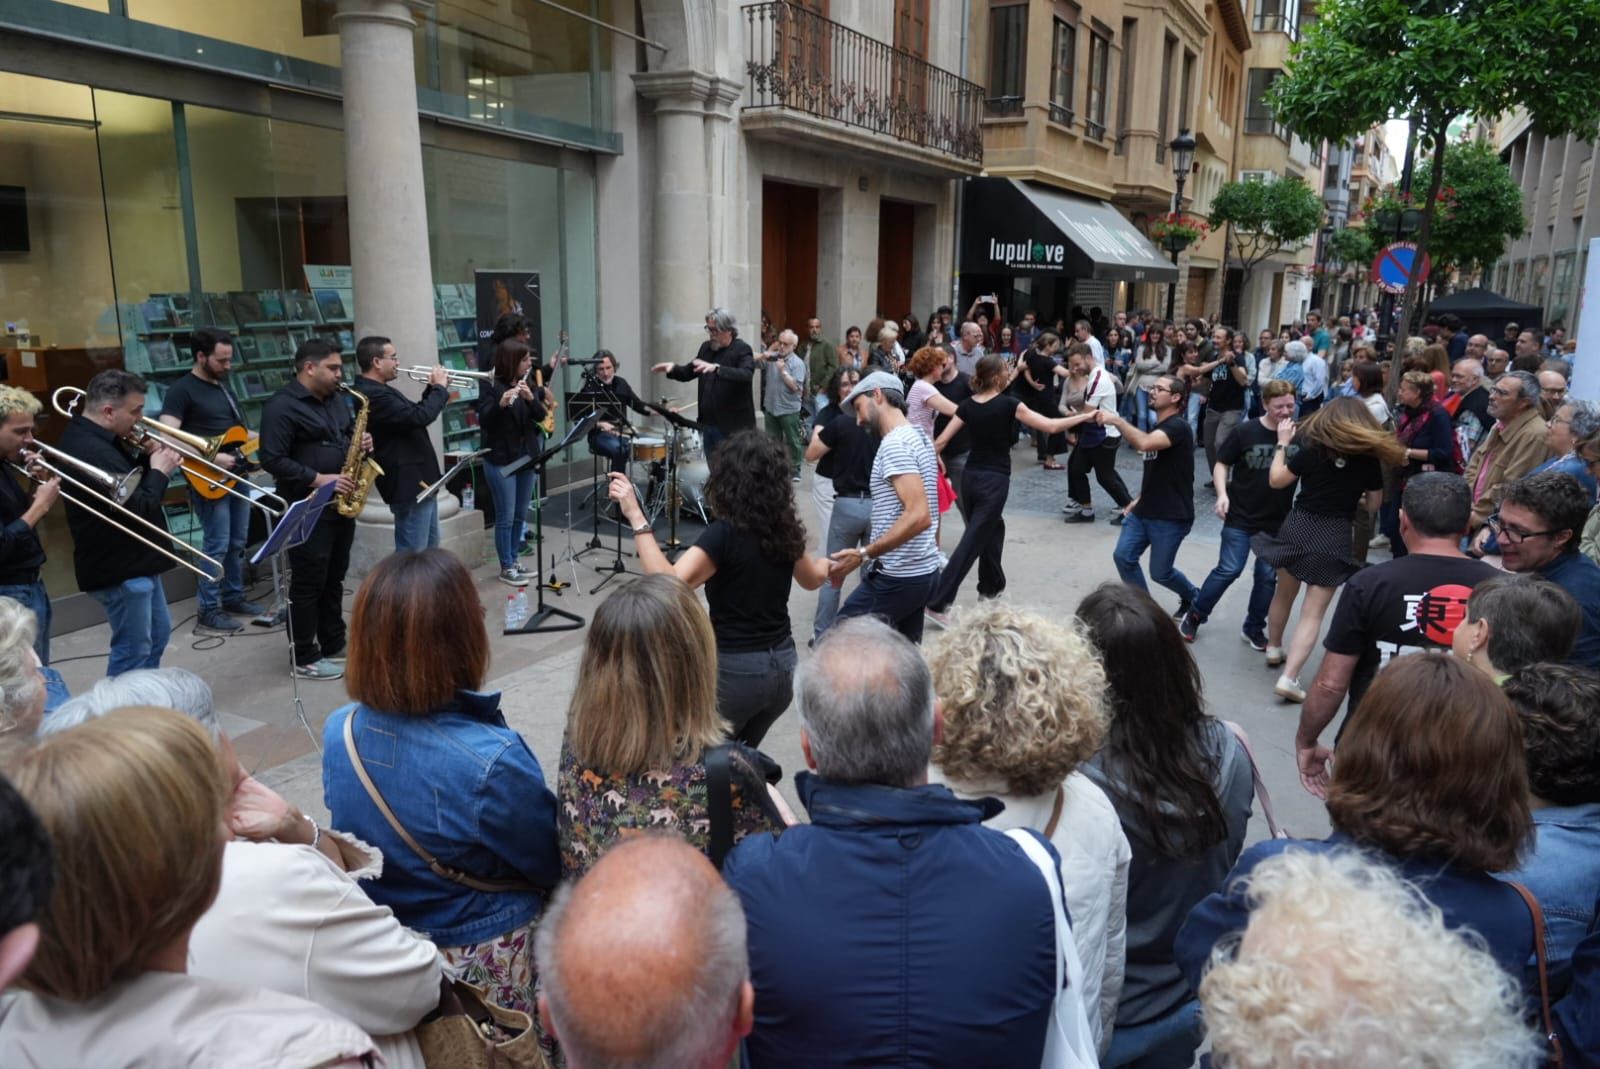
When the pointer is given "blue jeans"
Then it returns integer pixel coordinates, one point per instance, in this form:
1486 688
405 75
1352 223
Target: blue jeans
1146 419
611 446
850 525
897 601
1230 565
225 526
1194 411
1165 1043
754 687
511 494
416 526
137 611
1162 538
37 598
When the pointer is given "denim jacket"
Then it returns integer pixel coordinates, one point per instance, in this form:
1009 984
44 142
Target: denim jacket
1563 870
468 790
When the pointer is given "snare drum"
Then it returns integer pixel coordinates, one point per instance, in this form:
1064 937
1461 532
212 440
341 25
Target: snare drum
646 449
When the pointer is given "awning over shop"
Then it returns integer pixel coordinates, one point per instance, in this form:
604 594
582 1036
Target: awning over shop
1010 227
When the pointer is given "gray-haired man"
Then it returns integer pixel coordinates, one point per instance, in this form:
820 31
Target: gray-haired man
1515 446
724 367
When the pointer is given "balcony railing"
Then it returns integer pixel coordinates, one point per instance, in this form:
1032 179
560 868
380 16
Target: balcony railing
1061 115
804 62
1266 23
1095 130
1261 124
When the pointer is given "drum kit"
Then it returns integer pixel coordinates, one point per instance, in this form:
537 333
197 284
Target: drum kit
677 470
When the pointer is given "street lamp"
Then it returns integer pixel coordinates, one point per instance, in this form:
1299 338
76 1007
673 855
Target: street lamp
1182 148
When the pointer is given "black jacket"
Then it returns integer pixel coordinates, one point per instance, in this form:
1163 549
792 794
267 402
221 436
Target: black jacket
400 441
302 437
101 555
21 552
512 432
610 401
725 398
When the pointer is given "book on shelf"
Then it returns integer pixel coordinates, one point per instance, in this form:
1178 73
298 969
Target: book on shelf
162 353
153 314
271 306
252 385
245 349
298 336
300 307
267 346
347 341
246 307
221 311
135 357
456 308
182 309
333 305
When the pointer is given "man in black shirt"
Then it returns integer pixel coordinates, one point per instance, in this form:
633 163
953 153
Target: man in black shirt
1160 517
21 552
1246 504
201 403
305 434
725 367
400 441
606 392
852 449
955 386
1408 605
1230 379
116 569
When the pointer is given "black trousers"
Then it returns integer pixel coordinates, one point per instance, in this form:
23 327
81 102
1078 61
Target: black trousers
1102 459
982 542
316 588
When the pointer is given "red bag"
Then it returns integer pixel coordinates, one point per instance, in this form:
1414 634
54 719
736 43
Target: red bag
947 493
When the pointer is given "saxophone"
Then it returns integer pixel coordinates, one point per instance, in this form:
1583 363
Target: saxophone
358 467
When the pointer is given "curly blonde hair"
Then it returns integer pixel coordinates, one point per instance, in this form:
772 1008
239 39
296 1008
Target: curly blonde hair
1022 698
1343 964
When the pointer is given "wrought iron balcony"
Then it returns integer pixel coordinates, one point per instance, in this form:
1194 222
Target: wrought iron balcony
803 62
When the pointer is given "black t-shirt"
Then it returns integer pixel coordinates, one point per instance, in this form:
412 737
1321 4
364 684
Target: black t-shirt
1407 605
852 448
1332 484
1253 505
990 423
956 390
749 593
1043 370
1167 492
1226 393
203 407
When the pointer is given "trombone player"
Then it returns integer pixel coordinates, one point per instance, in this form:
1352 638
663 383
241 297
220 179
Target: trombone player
121 572
400 441
21 552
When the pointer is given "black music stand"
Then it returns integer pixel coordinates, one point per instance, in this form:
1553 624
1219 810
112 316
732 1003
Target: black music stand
569 621
674 502
291 530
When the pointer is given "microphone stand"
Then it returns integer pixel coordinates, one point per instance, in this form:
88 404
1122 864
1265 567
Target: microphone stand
568 621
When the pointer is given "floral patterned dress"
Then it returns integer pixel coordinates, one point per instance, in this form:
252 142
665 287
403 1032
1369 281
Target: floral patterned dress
597 809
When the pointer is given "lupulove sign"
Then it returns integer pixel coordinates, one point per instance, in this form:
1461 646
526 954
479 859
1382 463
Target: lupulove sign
1014 228
1029 255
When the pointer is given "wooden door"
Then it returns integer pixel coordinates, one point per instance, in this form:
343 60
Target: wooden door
788 254
897 231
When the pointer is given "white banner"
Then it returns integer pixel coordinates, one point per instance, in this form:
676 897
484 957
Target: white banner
1585 384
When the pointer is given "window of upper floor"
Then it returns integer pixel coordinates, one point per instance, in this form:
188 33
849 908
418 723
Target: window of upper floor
1008 56
1063 63
1258 117
1094 119
1278 16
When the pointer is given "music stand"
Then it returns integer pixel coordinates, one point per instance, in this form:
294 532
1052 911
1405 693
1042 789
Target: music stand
535 623
291 530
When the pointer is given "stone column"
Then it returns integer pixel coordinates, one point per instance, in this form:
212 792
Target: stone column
389 226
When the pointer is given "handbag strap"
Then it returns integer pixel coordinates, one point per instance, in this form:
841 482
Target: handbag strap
1553 1041
439 868
719 801
1262 793
1055 813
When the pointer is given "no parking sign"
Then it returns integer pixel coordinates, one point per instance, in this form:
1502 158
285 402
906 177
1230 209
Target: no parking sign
1393 267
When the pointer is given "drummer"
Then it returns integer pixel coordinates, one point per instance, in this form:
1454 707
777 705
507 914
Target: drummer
606 392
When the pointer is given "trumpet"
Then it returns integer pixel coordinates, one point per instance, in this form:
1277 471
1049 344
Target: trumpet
40 461
458 379
198 452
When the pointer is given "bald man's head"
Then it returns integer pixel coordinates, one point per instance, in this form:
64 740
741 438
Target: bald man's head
643 962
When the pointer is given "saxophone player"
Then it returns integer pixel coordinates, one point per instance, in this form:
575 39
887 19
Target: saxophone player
305 440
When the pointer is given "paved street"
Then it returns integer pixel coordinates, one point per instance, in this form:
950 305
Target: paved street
1050 567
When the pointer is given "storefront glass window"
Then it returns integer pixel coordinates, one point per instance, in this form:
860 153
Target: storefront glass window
282 27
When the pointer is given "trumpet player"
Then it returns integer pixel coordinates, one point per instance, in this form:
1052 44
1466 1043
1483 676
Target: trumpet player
119 571
202 403
305 438
400 442
21 552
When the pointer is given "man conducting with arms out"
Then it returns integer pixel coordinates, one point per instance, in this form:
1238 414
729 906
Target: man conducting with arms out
21 552
724 367
1246 503
783 381
201 403
116 569
400 441
902 561
305 435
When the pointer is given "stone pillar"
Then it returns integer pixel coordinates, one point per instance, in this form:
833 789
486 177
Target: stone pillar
389 229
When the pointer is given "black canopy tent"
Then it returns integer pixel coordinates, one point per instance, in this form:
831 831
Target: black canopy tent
1486 312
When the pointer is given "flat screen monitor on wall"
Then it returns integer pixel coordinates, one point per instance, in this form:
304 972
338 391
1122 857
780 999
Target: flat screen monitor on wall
13 219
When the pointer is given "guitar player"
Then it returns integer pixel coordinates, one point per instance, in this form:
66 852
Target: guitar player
201 403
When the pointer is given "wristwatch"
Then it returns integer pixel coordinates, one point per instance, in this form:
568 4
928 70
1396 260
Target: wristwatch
644 529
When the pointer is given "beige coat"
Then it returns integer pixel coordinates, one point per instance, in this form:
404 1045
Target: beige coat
288 920
175 1021
1511 451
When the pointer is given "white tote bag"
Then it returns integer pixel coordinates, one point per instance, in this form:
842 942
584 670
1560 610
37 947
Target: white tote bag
1068 1044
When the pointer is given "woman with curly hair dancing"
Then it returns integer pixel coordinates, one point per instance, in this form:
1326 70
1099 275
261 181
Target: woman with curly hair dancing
745 560
1336 456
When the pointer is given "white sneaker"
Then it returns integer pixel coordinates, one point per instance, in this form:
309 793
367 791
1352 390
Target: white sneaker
1379 542
1289 689
1275 656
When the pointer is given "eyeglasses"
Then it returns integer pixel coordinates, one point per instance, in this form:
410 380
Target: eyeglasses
1511 535
1163 389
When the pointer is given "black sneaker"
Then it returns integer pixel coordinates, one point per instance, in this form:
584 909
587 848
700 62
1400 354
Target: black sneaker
1189 626
1183 609
1256 640
1078 516
1117 518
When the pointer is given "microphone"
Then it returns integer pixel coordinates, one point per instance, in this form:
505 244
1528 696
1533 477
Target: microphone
583 363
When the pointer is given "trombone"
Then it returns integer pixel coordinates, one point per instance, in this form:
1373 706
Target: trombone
458 380
199 453
112 492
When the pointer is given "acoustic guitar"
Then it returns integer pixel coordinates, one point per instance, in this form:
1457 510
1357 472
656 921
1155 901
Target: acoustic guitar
235 439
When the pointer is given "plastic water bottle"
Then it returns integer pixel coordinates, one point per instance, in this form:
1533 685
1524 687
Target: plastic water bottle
513 621
523 610
467 497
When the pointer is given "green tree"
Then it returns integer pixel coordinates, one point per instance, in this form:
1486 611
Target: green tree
1266 217
1352 246
1479 210
1431 61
